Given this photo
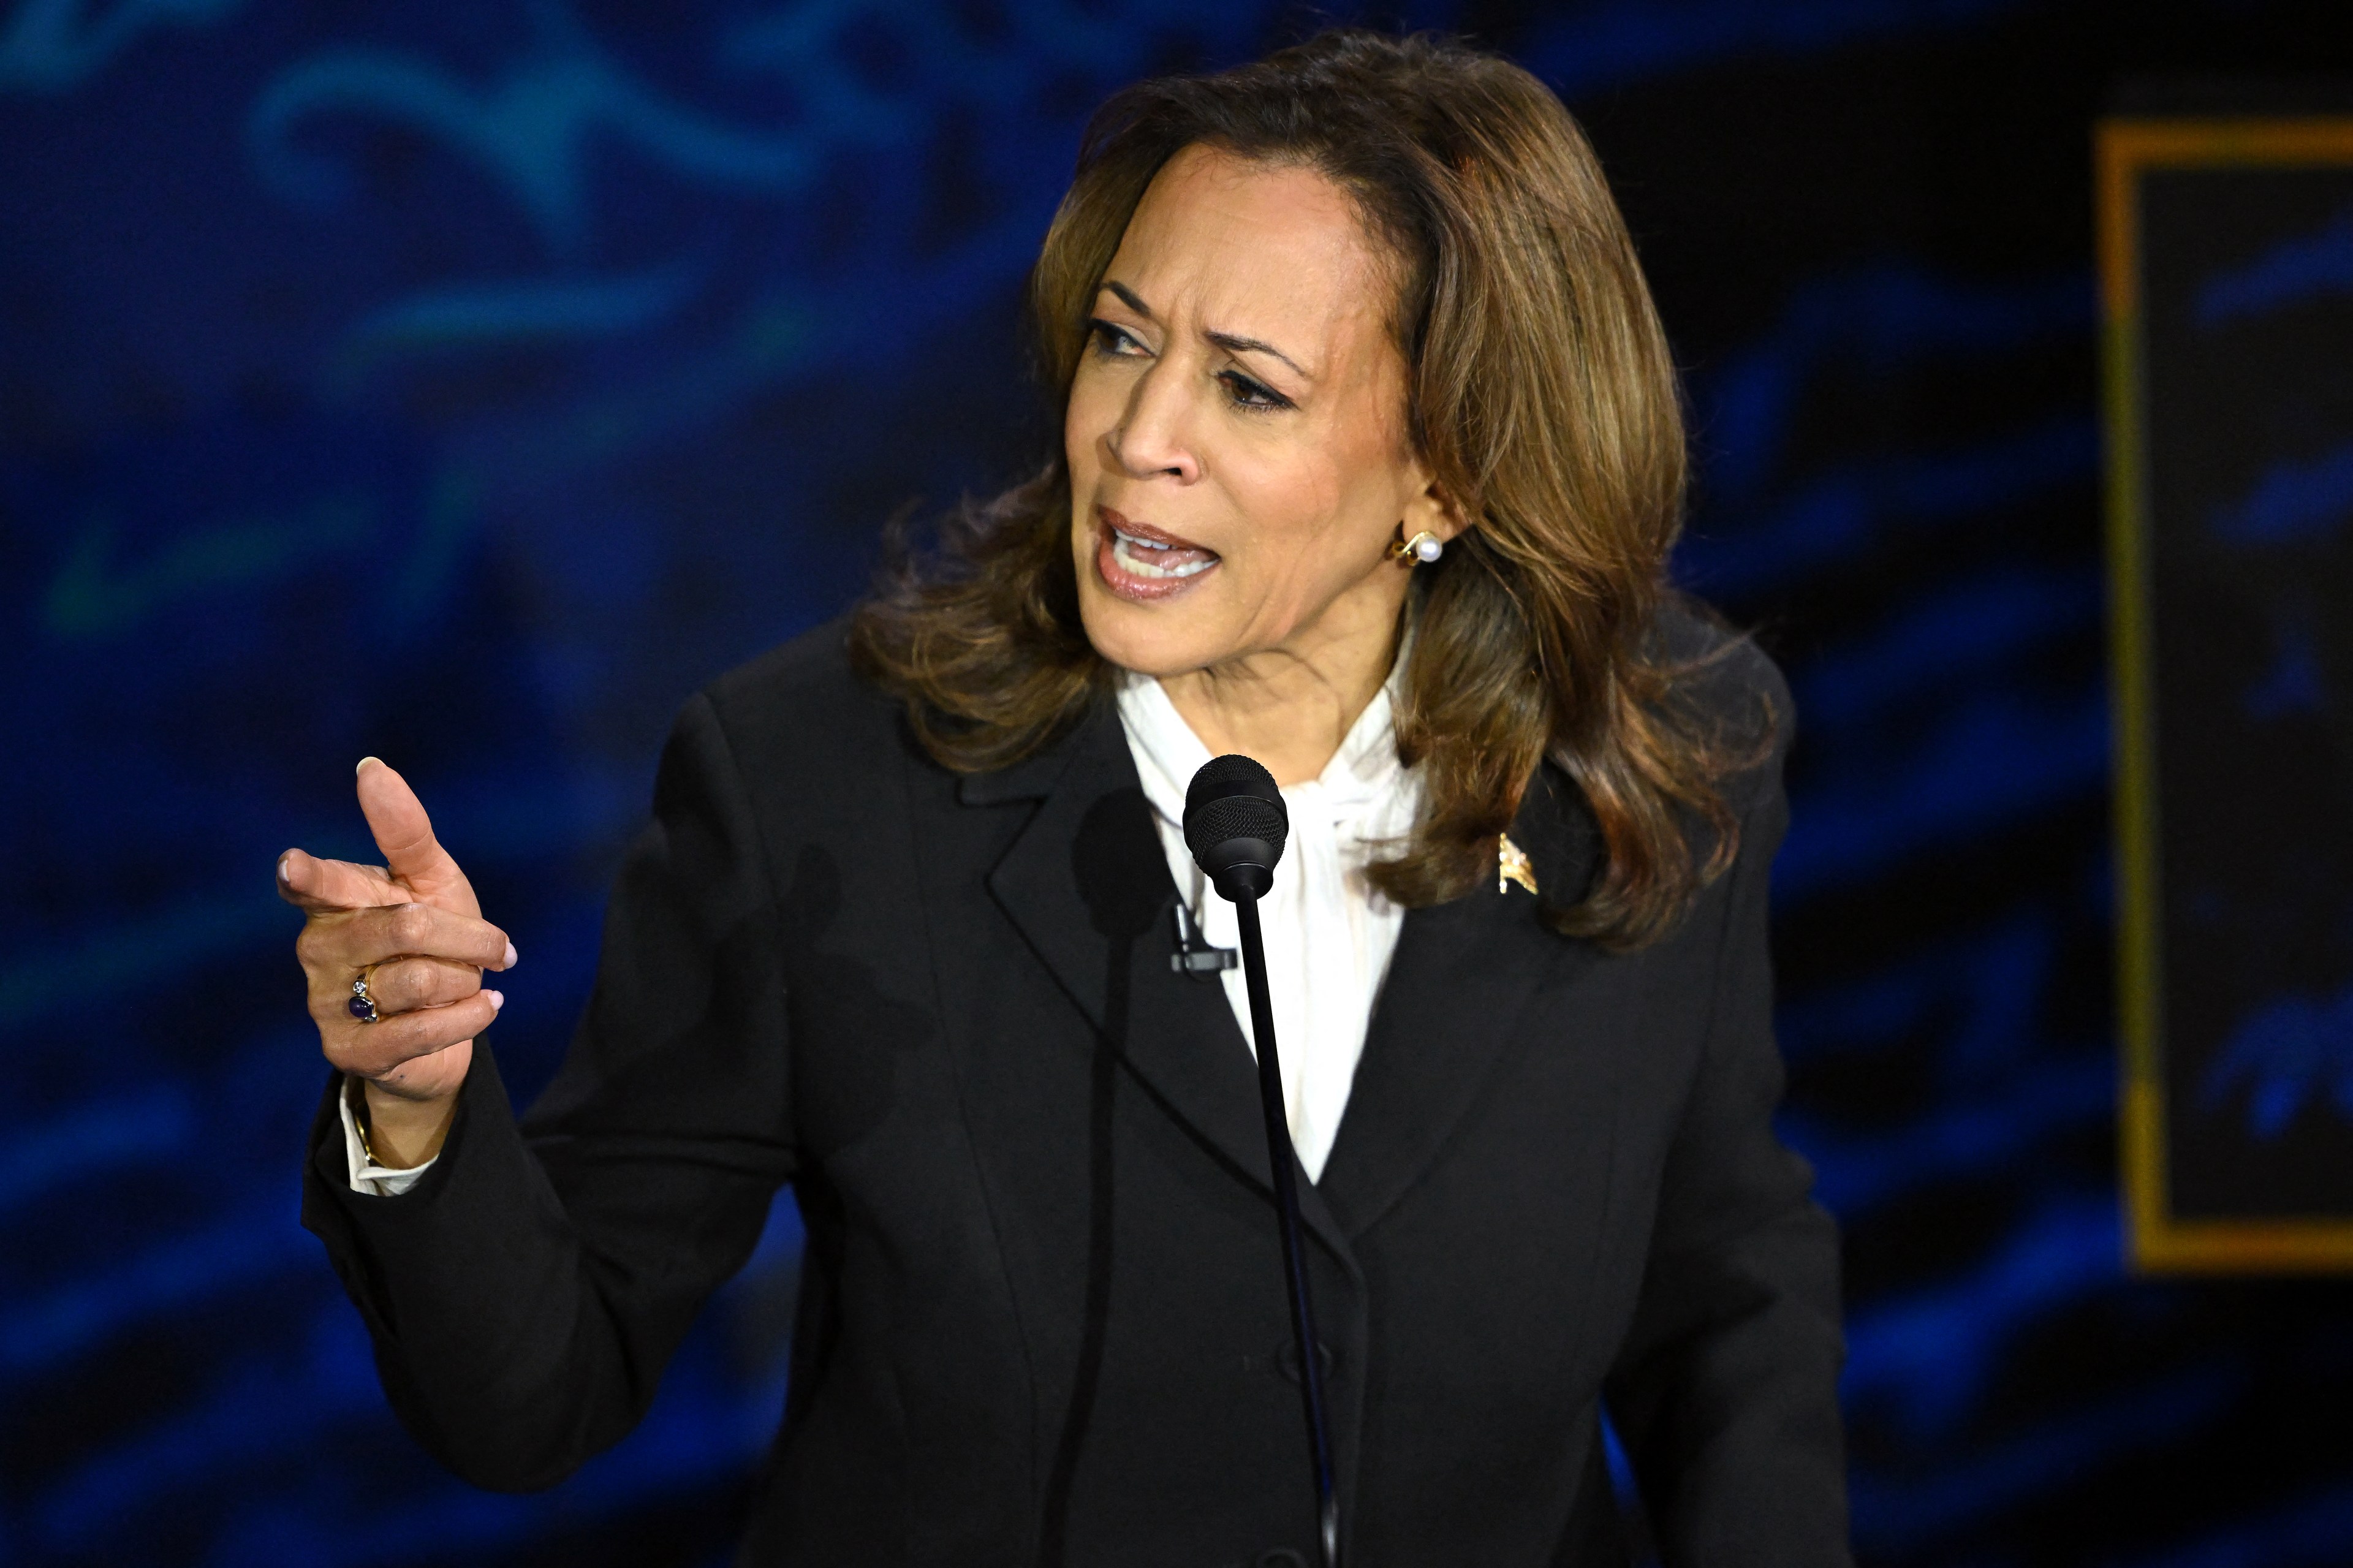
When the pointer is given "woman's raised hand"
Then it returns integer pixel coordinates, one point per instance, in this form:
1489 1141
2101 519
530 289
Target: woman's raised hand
414 929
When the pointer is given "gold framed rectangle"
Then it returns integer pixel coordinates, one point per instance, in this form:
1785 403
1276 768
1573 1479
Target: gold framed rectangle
2127 149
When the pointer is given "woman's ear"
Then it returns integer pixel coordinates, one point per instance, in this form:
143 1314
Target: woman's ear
1432 510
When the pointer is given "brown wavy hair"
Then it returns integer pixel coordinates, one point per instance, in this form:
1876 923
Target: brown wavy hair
1541 397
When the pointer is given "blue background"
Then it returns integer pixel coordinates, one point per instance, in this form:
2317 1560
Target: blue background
2247 304
466 384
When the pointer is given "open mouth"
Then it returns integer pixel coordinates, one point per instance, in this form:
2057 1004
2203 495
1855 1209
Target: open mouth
1138 560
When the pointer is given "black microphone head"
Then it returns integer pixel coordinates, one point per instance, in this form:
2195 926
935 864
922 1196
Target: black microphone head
1236 825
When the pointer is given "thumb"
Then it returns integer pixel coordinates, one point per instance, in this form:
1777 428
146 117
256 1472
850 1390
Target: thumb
405 836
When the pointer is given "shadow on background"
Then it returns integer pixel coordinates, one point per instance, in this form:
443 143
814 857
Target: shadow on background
467 384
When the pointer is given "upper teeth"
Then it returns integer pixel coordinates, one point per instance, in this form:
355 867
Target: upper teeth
1124 545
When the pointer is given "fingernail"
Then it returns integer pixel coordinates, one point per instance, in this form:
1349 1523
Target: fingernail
497 999
284 875
364 761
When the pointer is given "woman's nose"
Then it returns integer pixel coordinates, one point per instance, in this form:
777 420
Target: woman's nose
1152 435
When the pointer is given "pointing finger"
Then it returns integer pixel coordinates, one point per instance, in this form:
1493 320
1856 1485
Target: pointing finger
316 886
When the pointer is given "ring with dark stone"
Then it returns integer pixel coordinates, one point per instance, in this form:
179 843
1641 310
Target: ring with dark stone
362 1005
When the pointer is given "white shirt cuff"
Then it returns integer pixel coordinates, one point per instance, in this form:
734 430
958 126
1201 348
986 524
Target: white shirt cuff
367 1176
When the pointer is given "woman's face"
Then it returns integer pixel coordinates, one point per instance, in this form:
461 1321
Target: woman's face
1236 431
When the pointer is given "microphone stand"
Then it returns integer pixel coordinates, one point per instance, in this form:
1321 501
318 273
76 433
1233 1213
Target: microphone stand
1280 1163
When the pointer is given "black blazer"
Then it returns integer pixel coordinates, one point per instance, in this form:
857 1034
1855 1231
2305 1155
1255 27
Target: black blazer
1042 1315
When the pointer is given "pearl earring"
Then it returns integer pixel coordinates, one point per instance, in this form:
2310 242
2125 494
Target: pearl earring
1423 548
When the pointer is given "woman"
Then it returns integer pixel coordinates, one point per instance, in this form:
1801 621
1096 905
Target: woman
1371 466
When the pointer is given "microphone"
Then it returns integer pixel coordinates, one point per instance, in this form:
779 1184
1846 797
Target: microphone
1236 825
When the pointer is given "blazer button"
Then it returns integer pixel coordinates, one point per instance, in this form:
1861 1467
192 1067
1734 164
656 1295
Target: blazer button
1286 1362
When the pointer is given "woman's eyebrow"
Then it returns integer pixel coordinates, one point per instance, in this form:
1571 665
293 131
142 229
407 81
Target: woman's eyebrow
1232 344
1228 342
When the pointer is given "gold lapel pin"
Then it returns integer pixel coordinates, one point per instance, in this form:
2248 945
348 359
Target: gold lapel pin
1512 865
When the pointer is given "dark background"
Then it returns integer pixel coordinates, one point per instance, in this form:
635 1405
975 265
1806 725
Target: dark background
2247 304
466 384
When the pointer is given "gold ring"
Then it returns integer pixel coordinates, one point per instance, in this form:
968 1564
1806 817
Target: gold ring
362 1005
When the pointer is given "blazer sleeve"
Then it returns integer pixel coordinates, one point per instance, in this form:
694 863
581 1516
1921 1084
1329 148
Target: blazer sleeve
525 1295
1726 1390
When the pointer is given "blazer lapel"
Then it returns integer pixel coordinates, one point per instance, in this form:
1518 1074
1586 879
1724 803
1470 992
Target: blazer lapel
1454 1006
1087 884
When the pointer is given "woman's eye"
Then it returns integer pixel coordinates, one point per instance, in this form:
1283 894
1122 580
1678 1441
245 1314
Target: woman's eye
1247 394
1110 339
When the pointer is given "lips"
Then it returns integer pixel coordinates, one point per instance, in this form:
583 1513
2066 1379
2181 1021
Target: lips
1137 561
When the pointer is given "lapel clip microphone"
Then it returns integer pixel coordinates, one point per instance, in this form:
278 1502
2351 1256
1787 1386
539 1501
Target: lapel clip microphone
1236 825
1196 955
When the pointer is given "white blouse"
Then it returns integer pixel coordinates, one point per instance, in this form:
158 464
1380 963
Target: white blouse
1329 935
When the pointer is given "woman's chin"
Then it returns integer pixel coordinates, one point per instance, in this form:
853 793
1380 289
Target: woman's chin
1159 637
